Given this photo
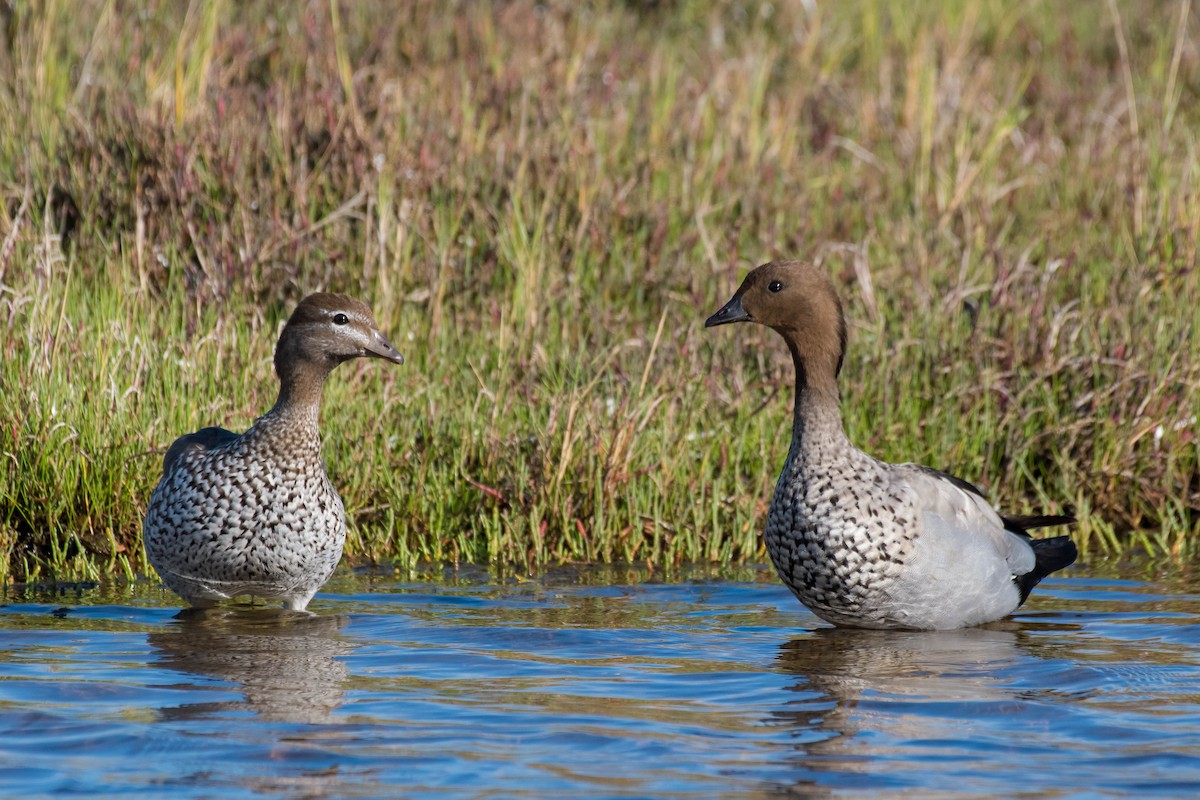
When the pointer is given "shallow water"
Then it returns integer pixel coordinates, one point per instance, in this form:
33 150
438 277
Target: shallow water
602 683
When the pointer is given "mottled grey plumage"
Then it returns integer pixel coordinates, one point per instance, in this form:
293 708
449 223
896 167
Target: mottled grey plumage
256 514
862 542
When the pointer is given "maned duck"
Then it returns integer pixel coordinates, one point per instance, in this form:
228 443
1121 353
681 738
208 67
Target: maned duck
256 514
861 542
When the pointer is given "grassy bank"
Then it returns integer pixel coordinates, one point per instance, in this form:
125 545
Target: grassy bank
542 202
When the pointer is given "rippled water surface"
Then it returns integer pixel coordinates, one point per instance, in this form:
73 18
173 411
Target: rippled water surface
598 684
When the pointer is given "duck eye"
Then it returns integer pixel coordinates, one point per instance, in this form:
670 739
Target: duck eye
775 286
340 319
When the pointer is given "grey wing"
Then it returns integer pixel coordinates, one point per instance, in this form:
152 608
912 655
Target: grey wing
952 504
201 441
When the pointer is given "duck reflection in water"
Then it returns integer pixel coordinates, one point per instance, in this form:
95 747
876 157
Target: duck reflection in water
876 703
287 665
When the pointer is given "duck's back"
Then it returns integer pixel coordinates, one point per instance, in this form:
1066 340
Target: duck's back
964 562
250 514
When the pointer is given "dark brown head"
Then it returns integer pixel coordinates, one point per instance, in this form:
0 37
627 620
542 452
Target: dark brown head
325 330
799 301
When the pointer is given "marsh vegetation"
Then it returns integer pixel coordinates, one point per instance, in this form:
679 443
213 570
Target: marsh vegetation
542 202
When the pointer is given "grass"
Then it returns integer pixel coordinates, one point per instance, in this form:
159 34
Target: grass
542 202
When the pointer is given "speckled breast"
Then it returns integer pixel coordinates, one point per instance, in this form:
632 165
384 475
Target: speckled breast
834 544
232 517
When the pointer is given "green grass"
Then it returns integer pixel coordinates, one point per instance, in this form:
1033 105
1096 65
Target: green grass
542 202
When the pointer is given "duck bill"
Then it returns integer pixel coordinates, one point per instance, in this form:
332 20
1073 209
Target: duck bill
380 347
730 312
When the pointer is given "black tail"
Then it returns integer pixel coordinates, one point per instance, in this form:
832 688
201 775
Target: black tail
1021 524
1051 555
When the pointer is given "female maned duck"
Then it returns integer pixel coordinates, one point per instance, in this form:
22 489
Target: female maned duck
860 542
256 514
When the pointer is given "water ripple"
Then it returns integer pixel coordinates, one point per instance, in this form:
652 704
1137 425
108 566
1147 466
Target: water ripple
595 684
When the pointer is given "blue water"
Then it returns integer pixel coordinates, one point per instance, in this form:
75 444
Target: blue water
597 684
